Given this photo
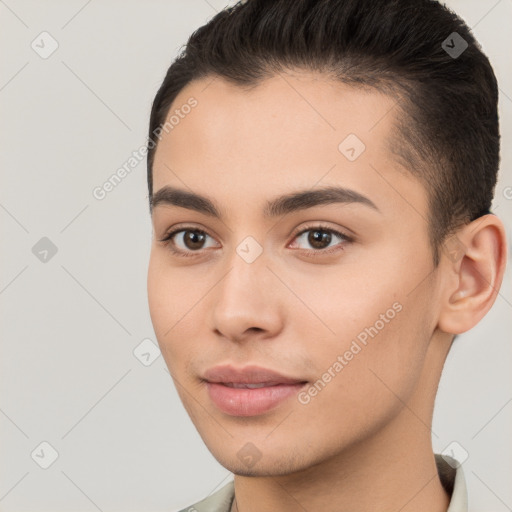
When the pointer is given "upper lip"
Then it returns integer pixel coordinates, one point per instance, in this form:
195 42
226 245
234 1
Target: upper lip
247 375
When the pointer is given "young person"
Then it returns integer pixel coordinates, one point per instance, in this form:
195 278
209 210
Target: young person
320 177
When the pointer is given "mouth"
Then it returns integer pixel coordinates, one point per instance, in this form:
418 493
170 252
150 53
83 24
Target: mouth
242 385
249 391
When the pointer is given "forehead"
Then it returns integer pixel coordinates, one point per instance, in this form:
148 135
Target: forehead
280 111
290 131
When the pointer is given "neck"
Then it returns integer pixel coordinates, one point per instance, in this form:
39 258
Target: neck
394 469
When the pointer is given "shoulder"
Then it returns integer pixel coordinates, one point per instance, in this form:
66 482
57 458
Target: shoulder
219 501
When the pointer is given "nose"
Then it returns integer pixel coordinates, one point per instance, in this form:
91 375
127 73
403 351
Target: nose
247 300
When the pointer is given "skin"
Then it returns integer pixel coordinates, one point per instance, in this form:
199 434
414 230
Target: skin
294 312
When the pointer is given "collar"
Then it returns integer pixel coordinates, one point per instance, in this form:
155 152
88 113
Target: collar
453 480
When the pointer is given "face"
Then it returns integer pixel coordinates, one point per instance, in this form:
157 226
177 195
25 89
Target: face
333 294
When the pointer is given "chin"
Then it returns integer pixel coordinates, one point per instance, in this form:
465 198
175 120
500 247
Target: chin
275 462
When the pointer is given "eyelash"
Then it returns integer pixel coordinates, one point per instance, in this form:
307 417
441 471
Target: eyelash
167 240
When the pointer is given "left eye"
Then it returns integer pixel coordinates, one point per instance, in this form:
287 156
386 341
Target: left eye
320 238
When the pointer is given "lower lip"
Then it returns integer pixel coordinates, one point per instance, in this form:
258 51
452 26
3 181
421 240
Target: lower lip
250 402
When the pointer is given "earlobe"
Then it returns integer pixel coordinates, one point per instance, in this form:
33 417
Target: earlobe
474 279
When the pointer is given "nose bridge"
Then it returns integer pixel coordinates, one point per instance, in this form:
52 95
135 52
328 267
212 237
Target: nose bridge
247 276
245 297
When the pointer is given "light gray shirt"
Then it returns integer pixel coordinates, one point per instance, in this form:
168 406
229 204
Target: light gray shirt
450 474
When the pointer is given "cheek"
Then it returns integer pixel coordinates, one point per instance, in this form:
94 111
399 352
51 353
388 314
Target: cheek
370 332
158 295
164 299
175 299
169 292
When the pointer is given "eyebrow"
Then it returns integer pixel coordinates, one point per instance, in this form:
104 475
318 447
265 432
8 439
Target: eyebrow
282 205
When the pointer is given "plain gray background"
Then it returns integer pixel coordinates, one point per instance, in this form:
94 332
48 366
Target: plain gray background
73 319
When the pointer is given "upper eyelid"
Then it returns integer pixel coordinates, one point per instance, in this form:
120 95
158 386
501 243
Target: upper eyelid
173 232
321 226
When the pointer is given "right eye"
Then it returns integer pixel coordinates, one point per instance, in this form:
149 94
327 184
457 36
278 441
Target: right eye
186 241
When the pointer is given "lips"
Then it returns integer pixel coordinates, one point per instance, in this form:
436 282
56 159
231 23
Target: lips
249 391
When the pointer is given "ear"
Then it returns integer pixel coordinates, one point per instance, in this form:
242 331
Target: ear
474 261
